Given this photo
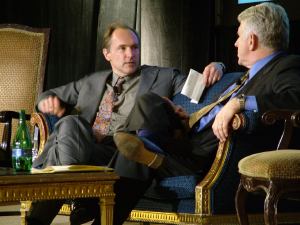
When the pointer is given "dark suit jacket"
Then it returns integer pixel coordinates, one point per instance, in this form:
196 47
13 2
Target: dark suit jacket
275 86
85 94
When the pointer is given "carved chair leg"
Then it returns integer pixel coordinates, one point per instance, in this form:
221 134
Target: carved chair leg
240 198
270 205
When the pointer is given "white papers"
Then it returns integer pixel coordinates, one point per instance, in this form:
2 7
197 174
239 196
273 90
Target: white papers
194 86
70 168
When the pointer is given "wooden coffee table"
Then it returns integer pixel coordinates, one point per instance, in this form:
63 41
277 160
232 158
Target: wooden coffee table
27 187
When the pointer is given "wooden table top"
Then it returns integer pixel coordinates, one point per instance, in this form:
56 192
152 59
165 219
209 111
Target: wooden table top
10 177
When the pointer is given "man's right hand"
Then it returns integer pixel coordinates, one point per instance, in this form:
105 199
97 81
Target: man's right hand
52 105
222 120
180 112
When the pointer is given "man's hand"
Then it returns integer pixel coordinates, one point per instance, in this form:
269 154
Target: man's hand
212 73
52 105
223 118
178 109
182 114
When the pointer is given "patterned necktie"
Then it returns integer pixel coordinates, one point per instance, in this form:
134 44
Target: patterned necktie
194 117
103 117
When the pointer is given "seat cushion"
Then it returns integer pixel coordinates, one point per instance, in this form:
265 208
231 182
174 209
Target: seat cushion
171 194
283 164
179 187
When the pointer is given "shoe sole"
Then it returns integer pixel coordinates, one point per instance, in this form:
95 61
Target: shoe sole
134 149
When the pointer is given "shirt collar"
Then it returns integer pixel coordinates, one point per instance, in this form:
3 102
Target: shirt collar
126 78
261 63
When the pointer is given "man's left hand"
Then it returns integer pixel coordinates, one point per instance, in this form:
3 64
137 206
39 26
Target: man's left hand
212 73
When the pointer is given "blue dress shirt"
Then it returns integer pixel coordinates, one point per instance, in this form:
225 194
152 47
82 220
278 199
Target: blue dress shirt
250 101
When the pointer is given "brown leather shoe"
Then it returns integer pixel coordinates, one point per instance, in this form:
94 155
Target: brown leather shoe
134 149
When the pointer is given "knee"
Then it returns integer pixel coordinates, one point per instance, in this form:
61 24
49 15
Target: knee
70 121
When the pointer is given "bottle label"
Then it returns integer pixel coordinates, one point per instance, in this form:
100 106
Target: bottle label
21 159
16 152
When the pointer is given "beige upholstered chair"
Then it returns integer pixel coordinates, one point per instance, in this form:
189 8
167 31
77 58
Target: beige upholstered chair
23 52
276 172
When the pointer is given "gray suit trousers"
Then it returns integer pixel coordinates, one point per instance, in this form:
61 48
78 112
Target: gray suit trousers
72 142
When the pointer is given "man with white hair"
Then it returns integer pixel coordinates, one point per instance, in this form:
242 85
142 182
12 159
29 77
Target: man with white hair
273 78
263 39
273 82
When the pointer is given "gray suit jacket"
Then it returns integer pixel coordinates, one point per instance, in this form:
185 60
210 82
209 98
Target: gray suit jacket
85 94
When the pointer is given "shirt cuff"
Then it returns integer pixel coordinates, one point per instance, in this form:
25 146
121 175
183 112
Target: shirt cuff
223 66
251 103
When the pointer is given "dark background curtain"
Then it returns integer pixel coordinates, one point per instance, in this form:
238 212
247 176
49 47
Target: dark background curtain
226 12
178 33
73 38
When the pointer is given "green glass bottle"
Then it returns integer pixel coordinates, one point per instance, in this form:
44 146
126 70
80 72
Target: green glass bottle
22 146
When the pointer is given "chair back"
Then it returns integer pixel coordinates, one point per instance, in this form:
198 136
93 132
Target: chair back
23 53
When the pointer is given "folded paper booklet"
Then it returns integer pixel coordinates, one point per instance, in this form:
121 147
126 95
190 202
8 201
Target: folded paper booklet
194 86
70 168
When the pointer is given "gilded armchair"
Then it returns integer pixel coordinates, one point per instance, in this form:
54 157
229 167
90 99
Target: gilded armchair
211 199
23 52
194 199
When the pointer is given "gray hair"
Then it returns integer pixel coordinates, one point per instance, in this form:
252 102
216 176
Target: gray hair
269 22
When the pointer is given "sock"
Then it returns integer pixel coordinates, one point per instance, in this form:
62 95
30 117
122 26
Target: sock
152 141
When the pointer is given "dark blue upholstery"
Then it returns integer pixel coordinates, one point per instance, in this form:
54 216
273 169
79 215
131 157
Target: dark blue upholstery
177 194
51 121
171 194
208 95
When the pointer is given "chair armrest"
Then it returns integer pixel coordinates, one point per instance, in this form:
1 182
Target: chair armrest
242 125
238 121
38 120
271 117
6 117
296 119
290 118
203 189
45 124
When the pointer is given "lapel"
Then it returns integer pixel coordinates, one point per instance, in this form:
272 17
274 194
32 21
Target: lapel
93 95
101 83
261 76
148 77
98 86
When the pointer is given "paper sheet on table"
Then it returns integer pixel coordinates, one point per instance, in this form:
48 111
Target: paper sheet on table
70 168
